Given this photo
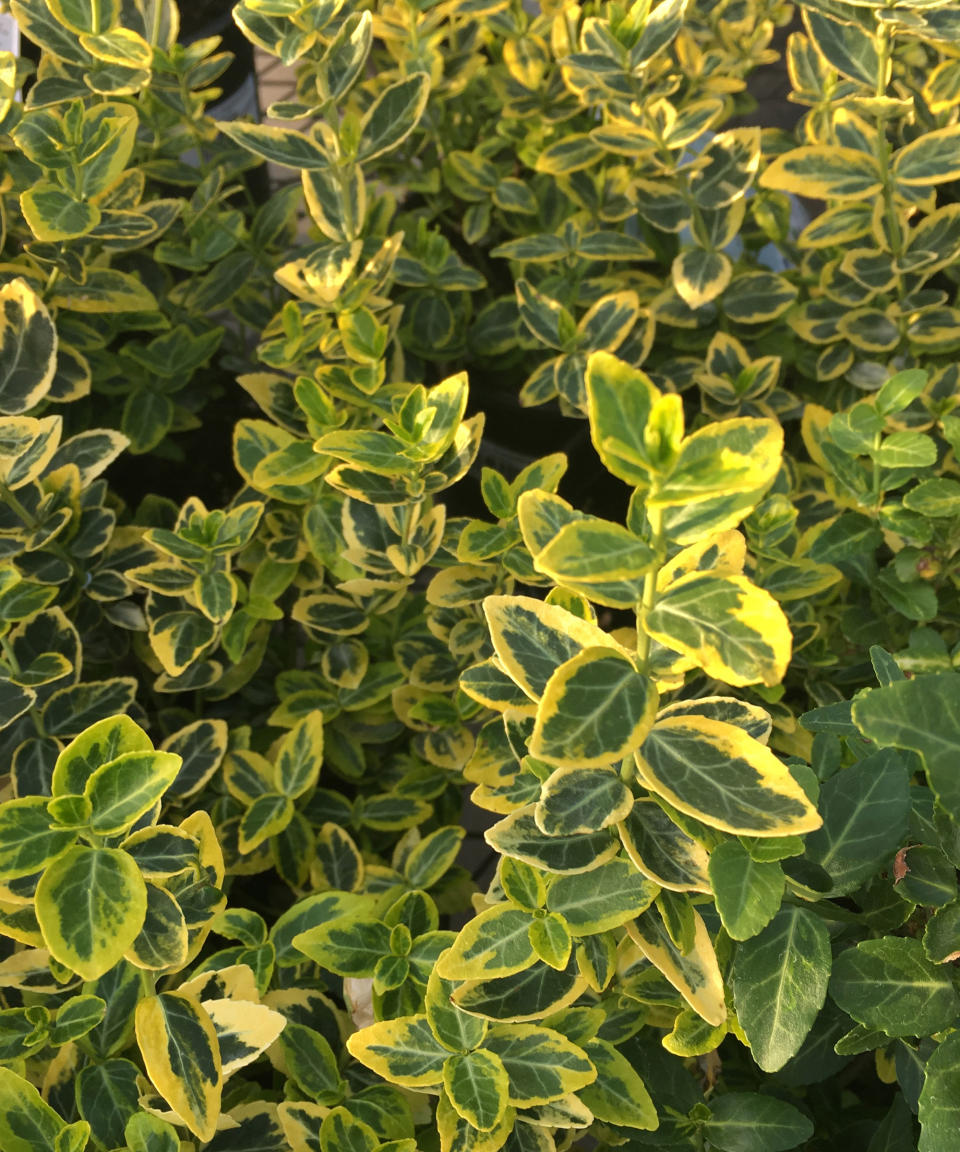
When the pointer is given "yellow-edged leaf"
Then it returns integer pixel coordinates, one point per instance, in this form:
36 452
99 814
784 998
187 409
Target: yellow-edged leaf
477 1086
532 639
91 904
163 941
722 553
28 348
457 1134
700 276
734 631
596 709
696 975
495 943
178 1043
581 800
726 457
620 399
725 778
824 172
604 561
663 852
930 159
402 1051
244 1030
542 1065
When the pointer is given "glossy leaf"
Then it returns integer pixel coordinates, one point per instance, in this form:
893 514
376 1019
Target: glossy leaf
178 1043
938 1097
29 839
618 1095
596 709
741 455
163 941
528 995
728 626
477 1086
310 1062
889 983
91 904
717 773
280 145
823 172
393 116
402 1051
542 1065
28 347
604 898
123 789
747 892
268 815
244 1030
519 836
696 975
922 715
494 943
602 560
55 215
865 810
457 1030
620 399
700 276
663 851
99 743
300 756
107 1097
581 800
532 639
749 1122
930 159
347 945
779 984
27 1123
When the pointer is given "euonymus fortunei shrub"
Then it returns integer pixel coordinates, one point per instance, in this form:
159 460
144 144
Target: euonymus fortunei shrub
267 617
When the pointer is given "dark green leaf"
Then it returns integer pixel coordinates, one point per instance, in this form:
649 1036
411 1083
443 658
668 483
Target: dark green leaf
780 983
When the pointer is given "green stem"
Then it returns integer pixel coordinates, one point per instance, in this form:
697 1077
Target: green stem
884 44
349 224
157 20
18 508
51 282
876 494
884 47
408 521
655 520
9 655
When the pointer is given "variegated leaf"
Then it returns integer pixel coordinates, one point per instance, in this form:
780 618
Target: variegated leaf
596 709
402 1051
723 777
91 904
178 1043
696 975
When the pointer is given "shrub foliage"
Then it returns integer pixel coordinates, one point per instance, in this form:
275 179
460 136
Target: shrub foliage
269 612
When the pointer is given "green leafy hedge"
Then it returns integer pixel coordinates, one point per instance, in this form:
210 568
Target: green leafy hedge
269 614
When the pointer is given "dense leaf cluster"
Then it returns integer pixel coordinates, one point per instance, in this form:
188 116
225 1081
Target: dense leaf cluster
269 614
